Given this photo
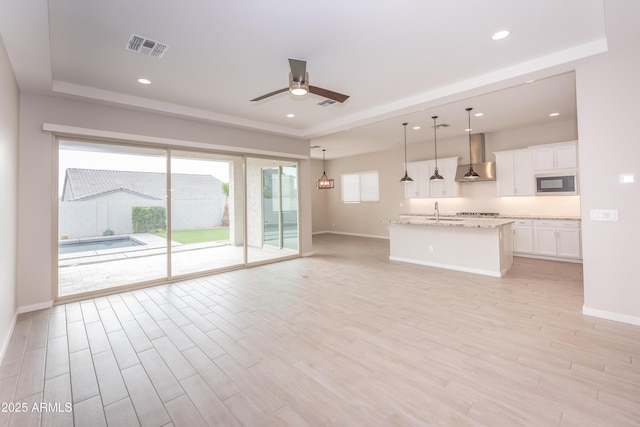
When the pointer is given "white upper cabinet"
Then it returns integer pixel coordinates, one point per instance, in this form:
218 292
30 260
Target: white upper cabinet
423 187
420 173
514 173
550 157
448 187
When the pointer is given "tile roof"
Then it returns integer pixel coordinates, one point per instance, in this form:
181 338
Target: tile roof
81 184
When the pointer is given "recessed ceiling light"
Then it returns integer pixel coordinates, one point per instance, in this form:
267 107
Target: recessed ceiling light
416 128
468 130
554 114
502 34
291 115
479 114
530 81
144 81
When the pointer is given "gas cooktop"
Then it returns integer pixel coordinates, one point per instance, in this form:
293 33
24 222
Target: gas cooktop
486 214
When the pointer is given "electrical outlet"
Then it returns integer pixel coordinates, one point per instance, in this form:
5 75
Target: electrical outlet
430 248
603 214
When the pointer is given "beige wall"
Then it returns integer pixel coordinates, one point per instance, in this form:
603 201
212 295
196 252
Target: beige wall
607 93
319 199
36 165
9 107
364 219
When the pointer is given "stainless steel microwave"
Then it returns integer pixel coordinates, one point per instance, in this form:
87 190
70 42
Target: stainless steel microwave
556 185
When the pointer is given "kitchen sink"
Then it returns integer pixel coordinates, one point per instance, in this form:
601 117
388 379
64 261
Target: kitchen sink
433 218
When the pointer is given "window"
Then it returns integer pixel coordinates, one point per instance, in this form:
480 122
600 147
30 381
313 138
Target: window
360 187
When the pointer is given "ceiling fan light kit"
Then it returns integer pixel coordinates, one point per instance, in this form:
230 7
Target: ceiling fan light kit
299 88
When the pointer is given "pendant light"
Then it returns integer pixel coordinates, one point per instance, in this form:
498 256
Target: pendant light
406 178
471 174
436 176
324 183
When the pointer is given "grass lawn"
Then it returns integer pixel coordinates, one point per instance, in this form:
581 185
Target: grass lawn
198 236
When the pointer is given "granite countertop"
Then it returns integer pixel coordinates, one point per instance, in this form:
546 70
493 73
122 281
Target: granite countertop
501 216
452 222
533 216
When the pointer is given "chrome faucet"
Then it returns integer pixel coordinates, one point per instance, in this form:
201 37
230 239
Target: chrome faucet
436 212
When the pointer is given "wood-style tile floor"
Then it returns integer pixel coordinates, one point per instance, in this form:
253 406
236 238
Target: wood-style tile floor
341 338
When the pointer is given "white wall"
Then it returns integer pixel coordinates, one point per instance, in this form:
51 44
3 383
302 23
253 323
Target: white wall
9 107
36 163
607 99
114 211
364 218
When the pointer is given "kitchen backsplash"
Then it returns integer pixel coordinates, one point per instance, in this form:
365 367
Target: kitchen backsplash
480 197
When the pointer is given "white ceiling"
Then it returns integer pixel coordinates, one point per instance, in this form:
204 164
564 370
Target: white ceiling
399 61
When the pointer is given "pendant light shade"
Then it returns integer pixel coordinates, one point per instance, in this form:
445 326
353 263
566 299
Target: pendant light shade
471 174
406 177
436 176
324 183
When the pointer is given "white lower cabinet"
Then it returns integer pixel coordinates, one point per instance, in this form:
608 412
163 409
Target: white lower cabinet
522 236
556 238
552 239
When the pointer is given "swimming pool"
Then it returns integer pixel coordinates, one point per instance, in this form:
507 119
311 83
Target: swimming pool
84 245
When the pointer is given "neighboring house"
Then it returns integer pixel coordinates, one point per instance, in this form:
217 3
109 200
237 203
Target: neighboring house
95 200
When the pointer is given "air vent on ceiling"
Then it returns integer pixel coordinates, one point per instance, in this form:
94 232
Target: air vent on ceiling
326 102
146 46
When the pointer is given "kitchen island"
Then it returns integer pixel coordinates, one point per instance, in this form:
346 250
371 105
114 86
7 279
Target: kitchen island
481 246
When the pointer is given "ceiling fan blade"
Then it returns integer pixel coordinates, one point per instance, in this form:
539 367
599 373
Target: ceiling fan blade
298 69
275 92
328 94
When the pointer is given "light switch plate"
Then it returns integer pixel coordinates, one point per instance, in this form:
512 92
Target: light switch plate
604 214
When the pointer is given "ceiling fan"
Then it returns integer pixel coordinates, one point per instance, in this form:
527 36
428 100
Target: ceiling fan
299 84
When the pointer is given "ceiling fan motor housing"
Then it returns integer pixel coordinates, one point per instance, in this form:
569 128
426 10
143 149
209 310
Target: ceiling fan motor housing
299 88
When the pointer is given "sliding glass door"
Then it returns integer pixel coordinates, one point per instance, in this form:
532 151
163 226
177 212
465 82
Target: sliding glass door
272 194
112 213
207 212
131 215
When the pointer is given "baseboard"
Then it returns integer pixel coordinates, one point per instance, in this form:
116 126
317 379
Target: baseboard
549 258
448 266
34 307
353 234
7 339
609 315
307 254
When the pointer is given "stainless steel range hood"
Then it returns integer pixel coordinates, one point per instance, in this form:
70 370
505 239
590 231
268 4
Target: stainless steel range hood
486 170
